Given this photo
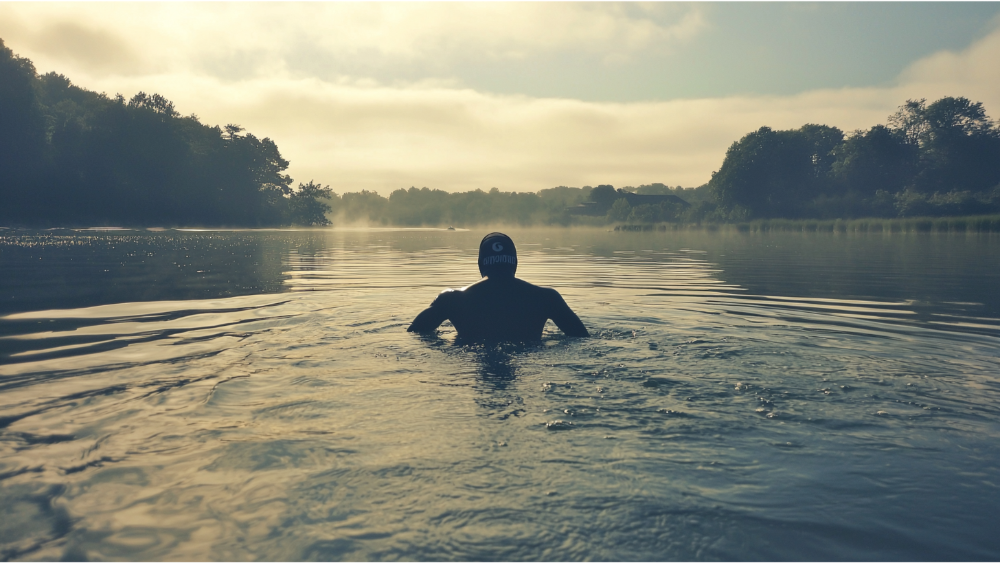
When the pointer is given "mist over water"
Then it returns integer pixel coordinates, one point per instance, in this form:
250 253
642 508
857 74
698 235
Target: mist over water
236 395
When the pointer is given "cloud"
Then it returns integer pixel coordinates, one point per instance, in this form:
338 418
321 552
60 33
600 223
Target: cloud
92 49
237 40
383 138
354 132
499 30
973 73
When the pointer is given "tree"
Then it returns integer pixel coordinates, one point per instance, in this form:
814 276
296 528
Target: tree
774 173
654 213
155 103
822 139
873 160
72 156
604 196
22 133
304 207
364 205
619 211
958 144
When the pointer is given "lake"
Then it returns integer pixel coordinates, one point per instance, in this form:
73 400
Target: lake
245 395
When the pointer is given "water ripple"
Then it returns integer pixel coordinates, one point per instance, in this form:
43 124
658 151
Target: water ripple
713 415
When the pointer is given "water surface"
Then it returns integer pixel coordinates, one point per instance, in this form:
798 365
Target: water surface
254 395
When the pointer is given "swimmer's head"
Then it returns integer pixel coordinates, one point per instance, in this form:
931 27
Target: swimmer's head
497 256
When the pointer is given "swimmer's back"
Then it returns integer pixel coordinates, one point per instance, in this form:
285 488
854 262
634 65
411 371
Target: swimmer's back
495 309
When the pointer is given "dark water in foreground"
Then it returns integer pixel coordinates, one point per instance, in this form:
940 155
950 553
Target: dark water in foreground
254 395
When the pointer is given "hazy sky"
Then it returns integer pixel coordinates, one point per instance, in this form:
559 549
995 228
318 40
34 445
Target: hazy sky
521 96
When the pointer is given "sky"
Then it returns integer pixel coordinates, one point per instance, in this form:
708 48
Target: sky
520 96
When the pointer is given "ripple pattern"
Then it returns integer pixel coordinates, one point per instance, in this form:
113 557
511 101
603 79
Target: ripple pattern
713 414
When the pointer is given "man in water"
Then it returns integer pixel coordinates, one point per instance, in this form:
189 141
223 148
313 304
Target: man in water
499 307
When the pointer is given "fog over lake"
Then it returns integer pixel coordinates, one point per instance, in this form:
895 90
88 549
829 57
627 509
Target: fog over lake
253 394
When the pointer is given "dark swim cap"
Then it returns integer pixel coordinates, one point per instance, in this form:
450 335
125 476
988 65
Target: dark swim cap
497 255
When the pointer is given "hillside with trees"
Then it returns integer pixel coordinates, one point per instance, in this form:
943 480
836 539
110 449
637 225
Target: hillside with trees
69 156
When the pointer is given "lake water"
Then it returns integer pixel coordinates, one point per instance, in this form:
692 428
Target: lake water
244 395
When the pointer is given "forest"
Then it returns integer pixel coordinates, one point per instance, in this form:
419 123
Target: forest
929 159
561 205
69 156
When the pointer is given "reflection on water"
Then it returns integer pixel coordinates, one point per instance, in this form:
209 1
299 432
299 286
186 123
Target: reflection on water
64 268
254 395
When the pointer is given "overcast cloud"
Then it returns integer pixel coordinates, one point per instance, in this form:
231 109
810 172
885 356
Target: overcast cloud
380 96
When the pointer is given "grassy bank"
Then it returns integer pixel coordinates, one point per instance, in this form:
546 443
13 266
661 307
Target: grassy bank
972 224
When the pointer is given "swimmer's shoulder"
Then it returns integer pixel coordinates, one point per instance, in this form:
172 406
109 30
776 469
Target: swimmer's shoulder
515 287
449 297
540 291
541 296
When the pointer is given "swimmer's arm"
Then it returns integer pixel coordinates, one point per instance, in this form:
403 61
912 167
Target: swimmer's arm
431 317
428 320
564 317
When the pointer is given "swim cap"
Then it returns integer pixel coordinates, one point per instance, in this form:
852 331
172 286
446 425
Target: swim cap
497 255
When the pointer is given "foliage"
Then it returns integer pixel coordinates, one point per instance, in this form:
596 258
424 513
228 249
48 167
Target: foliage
958 145
306 206
604 196
22 128
620 210
877 159
961 224
911 203
932 159
424 206
68 155
773 173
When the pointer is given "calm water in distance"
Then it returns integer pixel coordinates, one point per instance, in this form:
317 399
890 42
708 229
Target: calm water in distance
243 395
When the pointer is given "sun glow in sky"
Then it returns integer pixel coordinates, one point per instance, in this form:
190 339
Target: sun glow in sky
520 96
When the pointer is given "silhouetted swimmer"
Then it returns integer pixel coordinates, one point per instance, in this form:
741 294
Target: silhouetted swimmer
499 307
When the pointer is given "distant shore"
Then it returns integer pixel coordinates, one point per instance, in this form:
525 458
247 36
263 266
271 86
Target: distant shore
967 224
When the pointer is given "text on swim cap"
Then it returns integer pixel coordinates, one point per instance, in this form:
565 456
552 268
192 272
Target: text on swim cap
501 259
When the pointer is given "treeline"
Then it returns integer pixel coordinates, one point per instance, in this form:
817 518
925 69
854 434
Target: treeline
72 156
553 206
424 206
928 160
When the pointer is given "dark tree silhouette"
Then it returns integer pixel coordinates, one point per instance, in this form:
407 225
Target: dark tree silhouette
305 207
22 132
931 159
773 173
959 146
604 196
874 160
70 156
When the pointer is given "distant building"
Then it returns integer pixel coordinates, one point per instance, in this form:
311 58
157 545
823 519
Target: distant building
639 199
586 208
594 208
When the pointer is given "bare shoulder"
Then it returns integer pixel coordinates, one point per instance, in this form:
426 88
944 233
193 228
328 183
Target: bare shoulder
552 295
547 294
447 296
